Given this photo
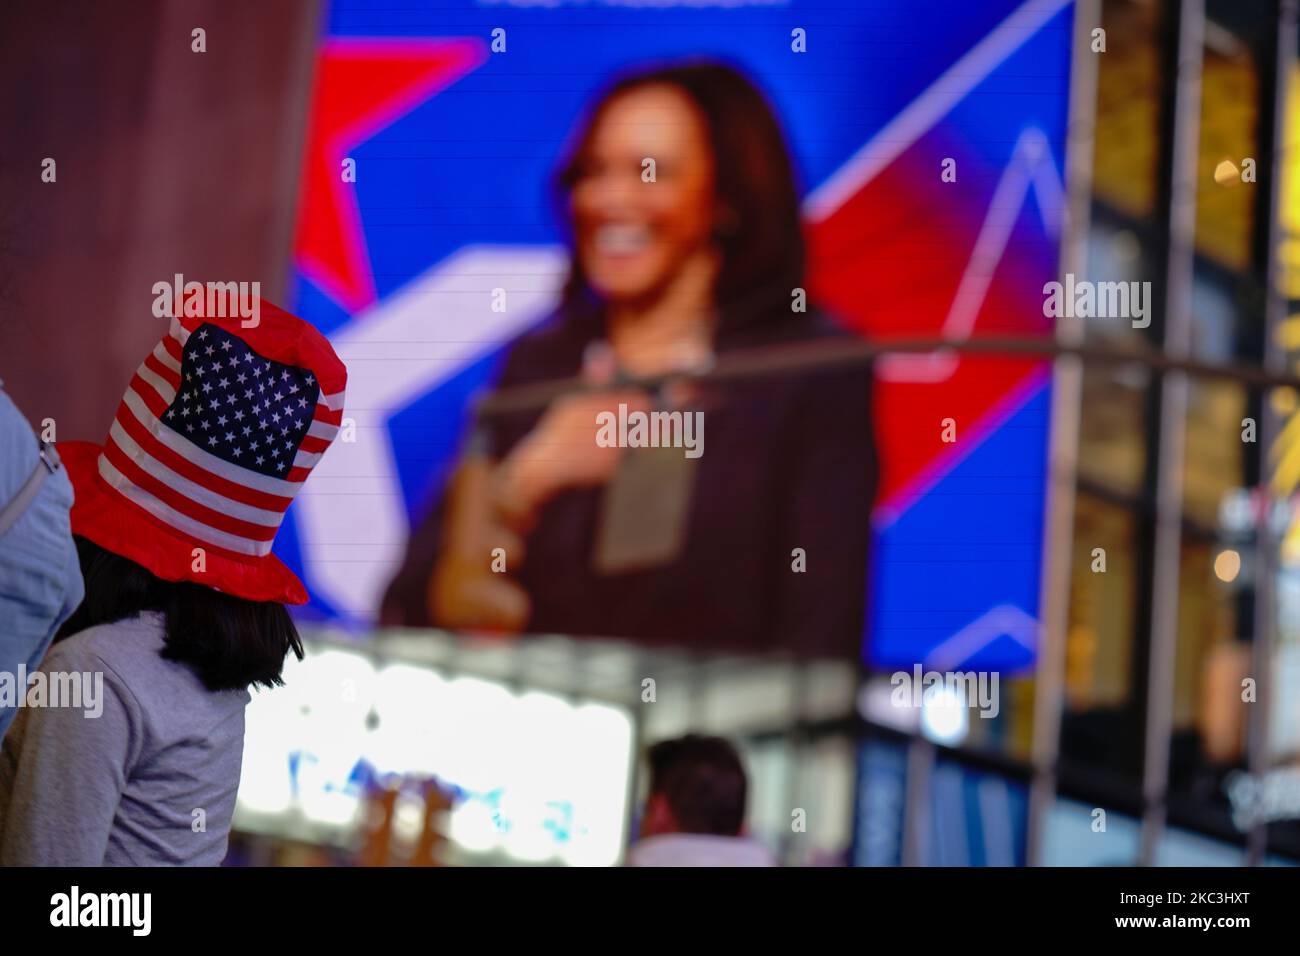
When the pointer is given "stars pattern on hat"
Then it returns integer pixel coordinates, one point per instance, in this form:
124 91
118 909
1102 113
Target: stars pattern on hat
214 400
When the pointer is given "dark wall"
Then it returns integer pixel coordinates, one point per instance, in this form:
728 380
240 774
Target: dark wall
167 161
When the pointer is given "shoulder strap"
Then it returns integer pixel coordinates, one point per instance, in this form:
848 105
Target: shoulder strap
47 464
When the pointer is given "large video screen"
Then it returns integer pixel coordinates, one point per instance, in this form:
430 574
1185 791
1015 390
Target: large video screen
461 231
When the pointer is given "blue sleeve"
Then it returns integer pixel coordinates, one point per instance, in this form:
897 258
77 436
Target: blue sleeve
40 579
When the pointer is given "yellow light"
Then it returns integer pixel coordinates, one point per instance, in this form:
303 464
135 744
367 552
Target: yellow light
1227 565
1226 173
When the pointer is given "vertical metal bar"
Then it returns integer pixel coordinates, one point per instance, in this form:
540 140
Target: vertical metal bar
917 803
796 742
1272 163
1067 397
293 141
638 771
1173 427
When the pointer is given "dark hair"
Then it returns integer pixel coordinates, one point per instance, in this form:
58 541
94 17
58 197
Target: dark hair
703 781
231 643
763 249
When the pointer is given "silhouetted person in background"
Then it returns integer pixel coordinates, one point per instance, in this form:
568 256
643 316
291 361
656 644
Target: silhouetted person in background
695 812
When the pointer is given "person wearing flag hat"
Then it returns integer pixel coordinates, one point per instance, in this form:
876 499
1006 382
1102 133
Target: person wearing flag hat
131 753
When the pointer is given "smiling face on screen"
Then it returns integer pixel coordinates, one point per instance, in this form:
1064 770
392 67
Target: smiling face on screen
632 236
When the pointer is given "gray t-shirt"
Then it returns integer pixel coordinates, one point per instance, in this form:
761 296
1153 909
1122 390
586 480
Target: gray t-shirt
123 788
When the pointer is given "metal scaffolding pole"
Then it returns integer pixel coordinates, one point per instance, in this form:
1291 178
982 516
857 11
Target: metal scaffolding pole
1063 463
1272 166
1173 426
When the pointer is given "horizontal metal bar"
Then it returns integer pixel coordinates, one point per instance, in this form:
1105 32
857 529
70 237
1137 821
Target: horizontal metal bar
828 354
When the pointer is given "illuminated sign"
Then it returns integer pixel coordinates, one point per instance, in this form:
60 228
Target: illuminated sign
533 776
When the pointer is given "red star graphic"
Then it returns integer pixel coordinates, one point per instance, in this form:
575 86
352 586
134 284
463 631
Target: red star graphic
361 86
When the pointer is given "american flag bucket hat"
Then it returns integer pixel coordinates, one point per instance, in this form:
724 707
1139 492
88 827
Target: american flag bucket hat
215 436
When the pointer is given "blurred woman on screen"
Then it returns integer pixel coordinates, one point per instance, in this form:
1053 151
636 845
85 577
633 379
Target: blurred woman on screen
683 218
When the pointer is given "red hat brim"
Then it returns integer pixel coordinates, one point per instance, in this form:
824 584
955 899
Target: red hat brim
111 521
